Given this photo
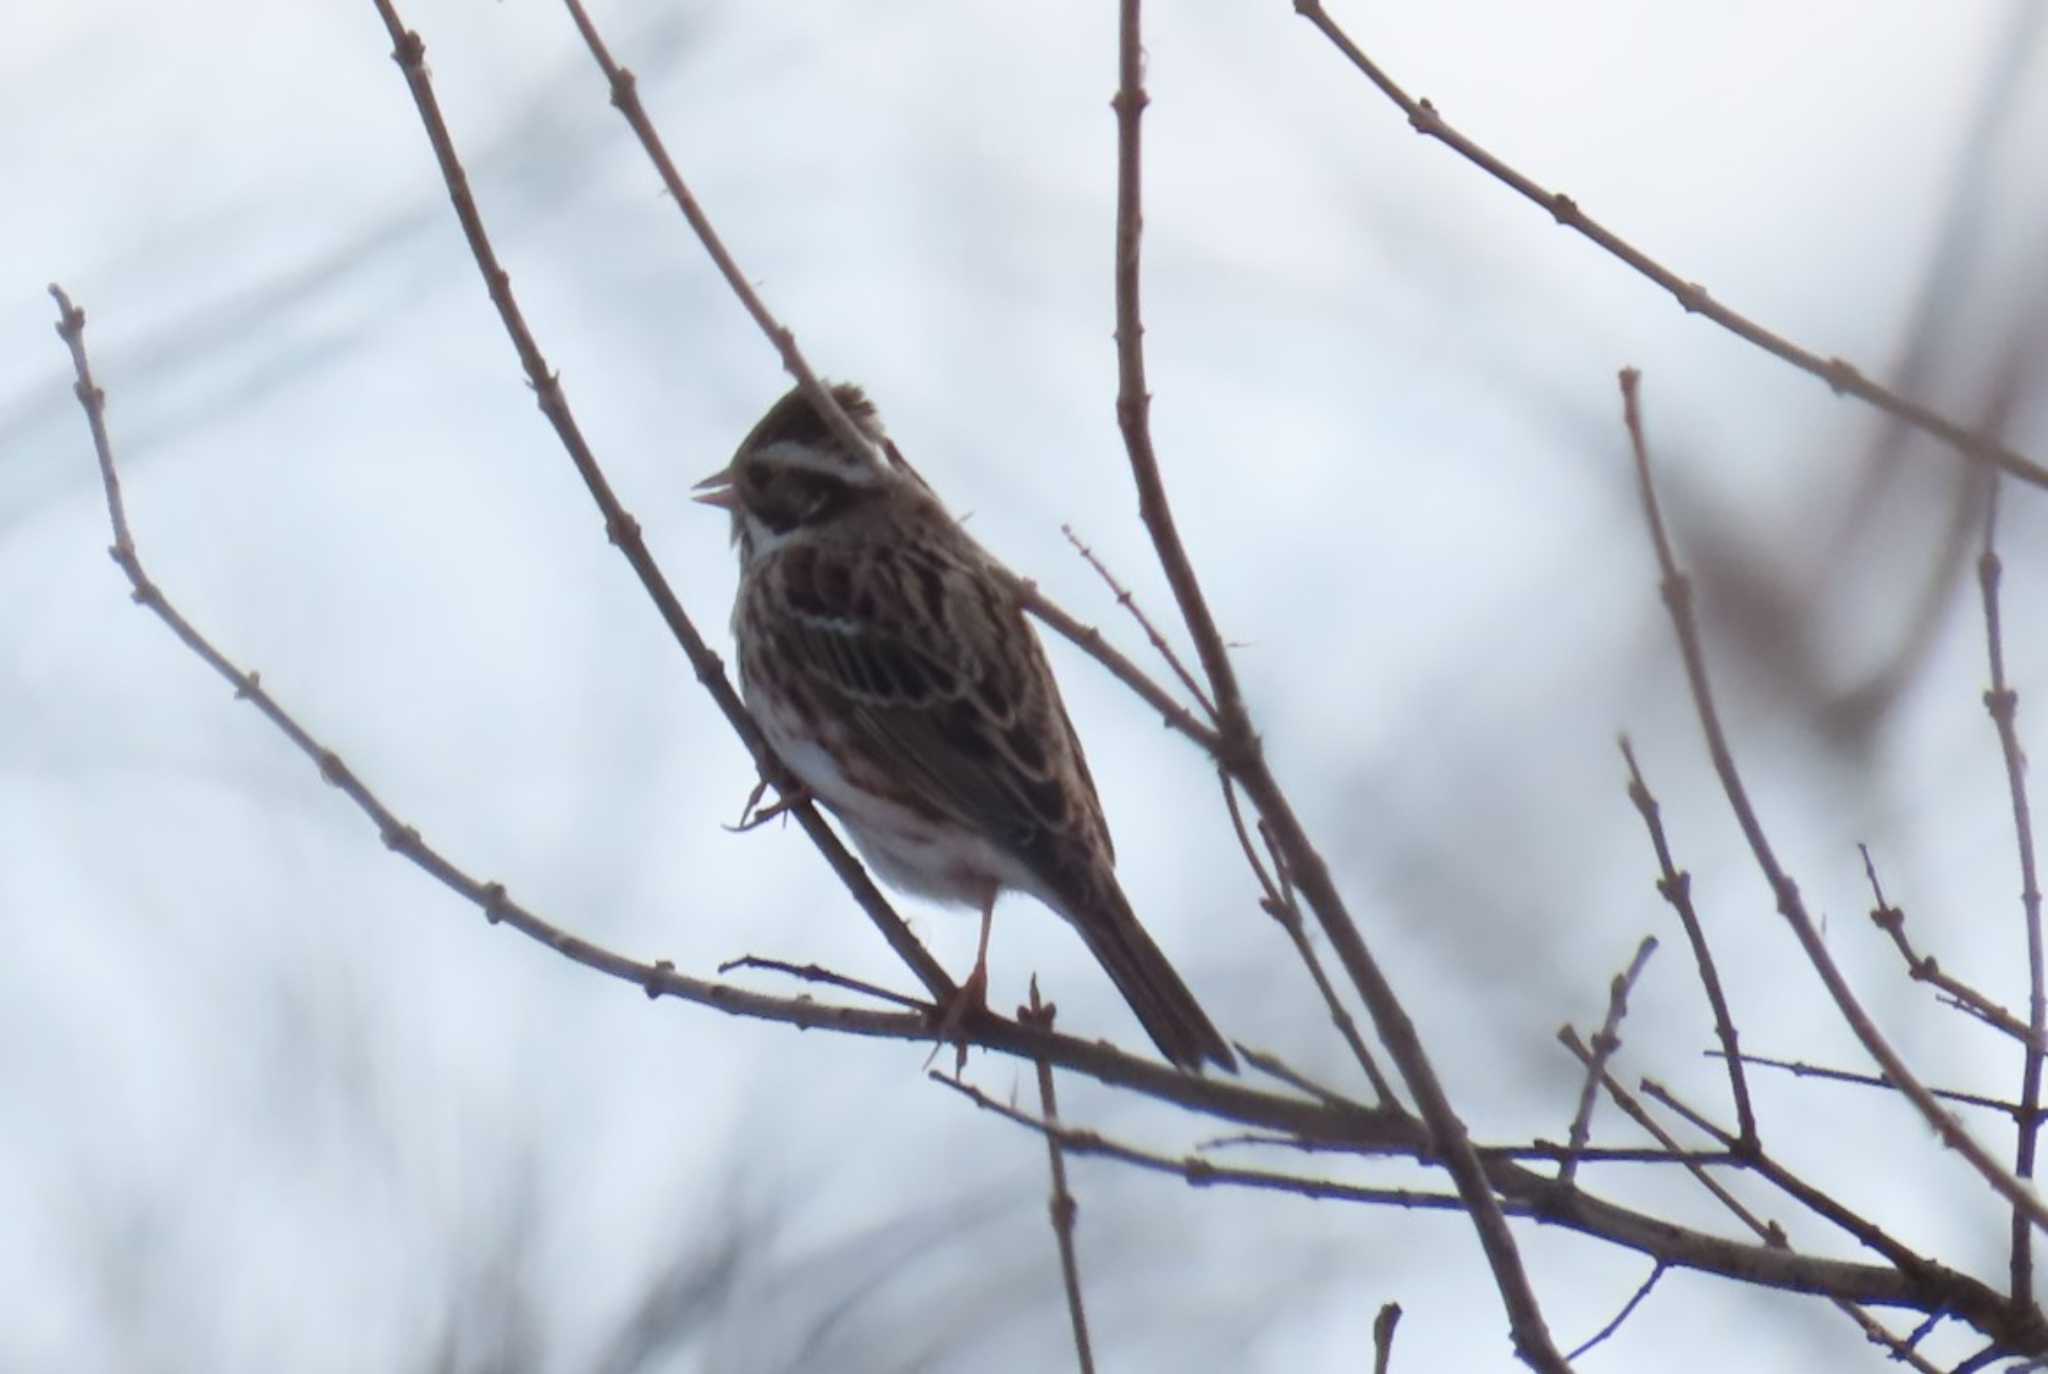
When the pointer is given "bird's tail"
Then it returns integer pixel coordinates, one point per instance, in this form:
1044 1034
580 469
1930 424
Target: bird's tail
1164 1006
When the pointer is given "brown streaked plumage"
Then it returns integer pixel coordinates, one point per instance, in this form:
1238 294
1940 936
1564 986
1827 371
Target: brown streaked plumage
896 675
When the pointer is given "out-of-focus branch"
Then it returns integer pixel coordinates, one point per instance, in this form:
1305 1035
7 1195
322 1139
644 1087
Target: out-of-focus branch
1674 885
2003 704
1678 599
1842 377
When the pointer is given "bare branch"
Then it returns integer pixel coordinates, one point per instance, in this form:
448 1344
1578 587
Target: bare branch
1771 1233
1130 603
1383 1336
813 973
1675 887
1240 752
624 531
1678 599
1279 903
1841 377
2003 703
1923 968
1630 1306
1605 1042
1799 1069
1062 1207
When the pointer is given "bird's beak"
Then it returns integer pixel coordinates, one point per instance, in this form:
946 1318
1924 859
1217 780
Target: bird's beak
717 490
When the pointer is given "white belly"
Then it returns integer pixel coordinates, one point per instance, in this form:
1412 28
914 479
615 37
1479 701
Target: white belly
938 860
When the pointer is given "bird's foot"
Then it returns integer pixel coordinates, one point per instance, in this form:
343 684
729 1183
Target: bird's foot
970 998
753 815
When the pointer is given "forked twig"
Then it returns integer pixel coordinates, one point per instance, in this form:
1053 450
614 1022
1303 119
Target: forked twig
1840 375
1678 599
1130 603
1674 885
1772 1235
1924 968
1605 1042
1279 903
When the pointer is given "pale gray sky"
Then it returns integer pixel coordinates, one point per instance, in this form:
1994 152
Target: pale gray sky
270 1099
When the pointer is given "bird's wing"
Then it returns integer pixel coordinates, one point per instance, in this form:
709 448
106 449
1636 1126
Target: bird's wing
937 678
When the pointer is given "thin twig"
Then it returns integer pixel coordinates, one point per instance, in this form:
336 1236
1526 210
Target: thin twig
1634 1302
1605 1042
1279 903
1799 1069
1924 968
1130 603
1383 1337
1536 1149
625 96
814 973
1674 885
1678 598
1062 1206
1197 1171
1273 1066
1841 376
2003 703
1091 641
409 52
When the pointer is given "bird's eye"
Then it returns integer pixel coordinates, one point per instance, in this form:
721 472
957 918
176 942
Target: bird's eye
756 474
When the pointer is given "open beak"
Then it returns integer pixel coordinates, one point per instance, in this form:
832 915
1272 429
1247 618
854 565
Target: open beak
717 490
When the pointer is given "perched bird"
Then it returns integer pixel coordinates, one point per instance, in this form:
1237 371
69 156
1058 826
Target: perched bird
893 671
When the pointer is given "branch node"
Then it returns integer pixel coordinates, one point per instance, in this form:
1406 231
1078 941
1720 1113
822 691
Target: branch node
623 92
662 969
494 902
410 52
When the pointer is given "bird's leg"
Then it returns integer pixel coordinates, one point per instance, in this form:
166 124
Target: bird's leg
972 995
751 819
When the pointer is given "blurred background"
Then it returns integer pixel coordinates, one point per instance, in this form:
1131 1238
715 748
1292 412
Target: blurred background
271 1099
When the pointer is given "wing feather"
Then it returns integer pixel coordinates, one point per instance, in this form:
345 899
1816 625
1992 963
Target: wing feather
936 676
